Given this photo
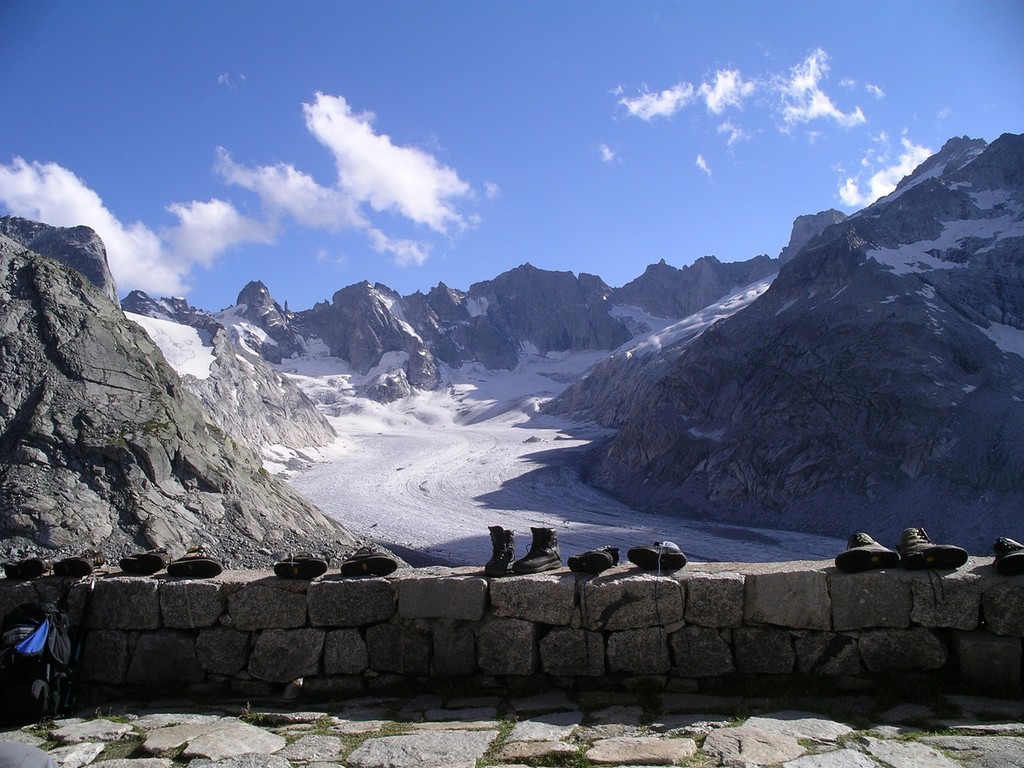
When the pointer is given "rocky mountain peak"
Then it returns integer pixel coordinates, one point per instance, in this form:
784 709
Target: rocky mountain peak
806 228
79 248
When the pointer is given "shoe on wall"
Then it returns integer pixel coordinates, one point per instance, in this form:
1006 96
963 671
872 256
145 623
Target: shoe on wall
918 551
864 553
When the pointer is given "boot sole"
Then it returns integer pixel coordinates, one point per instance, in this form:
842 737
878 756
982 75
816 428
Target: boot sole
590 563
523 568
940 558
649 559
197 568
862 559
300 569
376 565
1010 565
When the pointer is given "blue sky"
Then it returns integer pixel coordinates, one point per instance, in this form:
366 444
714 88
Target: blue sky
315 144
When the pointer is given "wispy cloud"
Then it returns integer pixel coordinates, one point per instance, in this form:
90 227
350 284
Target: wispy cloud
607 154
882 171
727 89
139 257
803 98
703 165
491 190
231 81
666 103
734 133
374 175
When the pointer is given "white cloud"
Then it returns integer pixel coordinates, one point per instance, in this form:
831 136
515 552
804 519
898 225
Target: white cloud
729 89
491 190
231 81
734 132
374 170
205 230
406 252
885 173
283 189
803 100
607 153
703 165
874 90
665 103
136 255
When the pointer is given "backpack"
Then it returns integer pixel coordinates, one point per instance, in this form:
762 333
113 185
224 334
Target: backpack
35 654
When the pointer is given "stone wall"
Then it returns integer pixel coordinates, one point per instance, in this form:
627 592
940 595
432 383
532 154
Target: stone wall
249 633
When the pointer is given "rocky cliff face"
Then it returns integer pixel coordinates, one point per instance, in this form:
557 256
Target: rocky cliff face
879 379
806 228
77 247
101 444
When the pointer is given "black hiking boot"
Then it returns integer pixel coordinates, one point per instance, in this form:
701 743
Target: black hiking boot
1009 557
503 551
368 561
864 553
29 568
145 563
594 560
917 551
195 564
662 556
79 566
305 566
543 554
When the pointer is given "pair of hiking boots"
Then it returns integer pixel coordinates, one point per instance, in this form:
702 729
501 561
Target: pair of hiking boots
916 551
662 556
543 554
365 561
76 566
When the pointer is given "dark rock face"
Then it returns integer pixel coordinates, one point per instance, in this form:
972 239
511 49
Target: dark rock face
101 445
77 247
862 385
806 228
259 311
175 309
666 291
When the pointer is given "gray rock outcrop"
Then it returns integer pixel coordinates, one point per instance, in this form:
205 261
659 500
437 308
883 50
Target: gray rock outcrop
77 247
100 444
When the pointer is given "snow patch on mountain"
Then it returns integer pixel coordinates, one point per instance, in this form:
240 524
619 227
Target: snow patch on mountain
182 345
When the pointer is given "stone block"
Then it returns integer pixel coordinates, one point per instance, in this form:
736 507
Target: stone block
989 662
191 604
266 606
641 651
763 650
827 653
571 651
797 599
283 655
883 650
507 647
222 650
399 648
454 648
166 658
46 590
630 602
714 599
946 601
700 652
124 603
351 602
869 600
545 598
345 653
1002 607
442 597
105 657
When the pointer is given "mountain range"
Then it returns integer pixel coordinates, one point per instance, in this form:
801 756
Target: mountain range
871 377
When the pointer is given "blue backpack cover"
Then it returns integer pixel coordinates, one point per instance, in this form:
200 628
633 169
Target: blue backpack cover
35 654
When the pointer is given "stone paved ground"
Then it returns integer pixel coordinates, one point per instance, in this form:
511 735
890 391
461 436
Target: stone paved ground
550 729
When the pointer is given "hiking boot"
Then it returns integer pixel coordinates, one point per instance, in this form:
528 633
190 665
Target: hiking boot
145 563
594 560
917 551
662 556
79 566
503 551
543 554
29 568
368 561
864 553
305 566
1009 557
195 564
